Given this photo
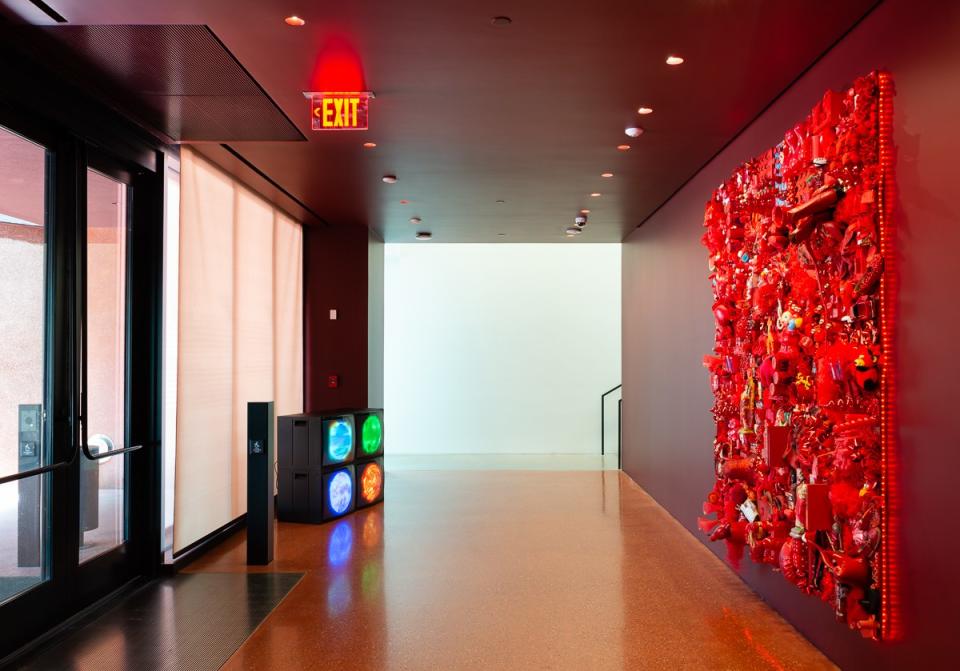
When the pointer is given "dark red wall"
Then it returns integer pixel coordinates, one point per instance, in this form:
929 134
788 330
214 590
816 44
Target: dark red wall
667 328
335 277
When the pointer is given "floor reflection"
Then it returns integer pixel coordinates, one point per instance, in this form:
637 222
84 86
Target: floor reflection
338 595
340 543
510 569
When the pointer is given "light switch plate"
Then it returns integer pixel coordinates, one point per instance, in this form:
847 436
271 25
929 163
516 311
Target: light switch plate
333 314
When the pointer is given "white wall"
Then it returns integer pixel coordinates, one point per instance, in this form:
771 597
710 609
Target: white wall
375 249
499 348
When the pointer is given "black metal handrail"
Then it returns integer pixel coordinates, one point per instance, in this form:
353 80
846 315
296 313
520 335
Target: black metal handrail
619 433
603 397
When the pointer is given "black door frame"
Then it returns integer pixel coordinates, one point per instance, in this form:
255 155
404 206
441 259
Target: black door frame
141 372
110 140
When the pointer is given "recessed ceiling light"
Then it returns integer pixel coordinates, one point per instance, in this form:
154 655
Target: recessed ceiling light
572 231
501 202
389 179
415 220
595 194
501 20
645 110
606 174
501 235
424 235
673 59
623 147
369 145
584 211
404 202
633 131
294 20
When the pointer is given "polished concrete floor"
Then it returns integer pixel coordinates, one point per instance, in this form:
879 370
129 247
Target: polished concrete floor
509 569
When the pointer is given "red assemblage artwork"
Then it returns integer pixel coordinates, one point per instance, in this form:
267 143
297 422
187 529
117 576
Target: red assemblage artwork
802 268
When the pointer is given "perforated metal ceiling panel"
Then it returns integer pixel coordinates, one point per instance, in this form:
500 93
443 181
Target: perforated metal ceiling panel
183 80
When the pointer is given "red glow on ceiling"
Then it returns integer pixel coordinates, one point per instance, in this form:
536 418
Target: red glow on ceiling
338 68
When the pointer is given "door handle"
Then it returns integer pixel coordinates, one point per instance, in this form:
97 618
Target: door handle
49 468
103 455
37 471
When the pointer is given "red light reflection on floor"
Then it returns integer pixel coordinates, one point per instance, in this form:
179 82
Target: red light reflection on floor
761 651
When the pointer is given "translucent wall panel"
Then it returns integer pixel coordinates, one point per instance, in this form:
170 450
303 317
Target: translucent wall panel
240 338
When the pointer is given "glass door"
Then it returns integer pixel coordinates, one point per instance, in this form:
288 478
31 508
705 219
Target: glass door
115 492
80 283
103 482
24 531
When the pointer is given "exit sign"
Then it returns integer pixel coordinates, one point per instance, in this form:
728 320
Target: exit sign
339 110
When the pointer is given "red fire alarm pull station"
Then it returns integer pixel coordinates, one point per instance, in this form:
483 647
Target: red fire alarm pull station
333 381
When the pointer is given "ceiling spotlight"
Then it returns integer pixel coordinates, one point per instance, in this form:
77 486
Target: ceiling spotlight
673 59
606 174
415 220
623 147
595 194
424 235
633 131
294 20
645 110
389 179
572 231
369 145
501 20
584 211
